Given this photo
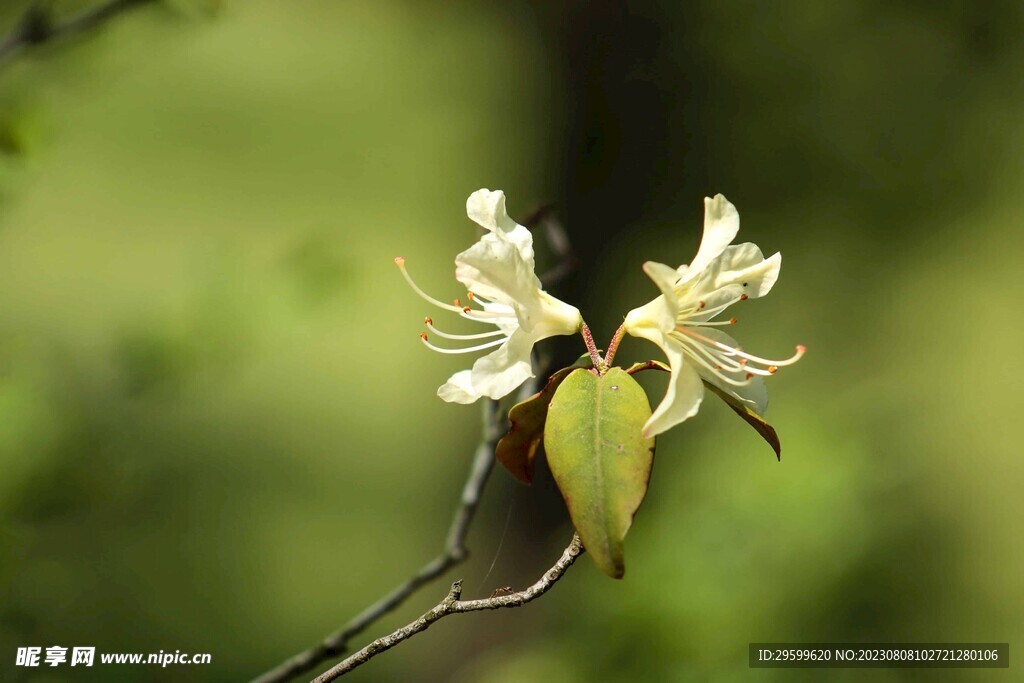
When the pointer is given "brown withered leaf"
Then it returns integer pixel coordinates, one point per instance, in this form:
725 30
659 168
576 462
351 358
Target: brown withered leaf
751 418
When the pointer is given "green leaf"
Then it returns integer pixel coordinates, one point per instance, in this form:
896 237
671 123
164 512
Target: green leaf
600 459
517 450
752 418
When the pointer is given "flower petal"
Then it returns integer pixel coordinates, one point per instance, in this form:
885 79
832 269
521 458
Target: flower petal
500 372
495 269
487 209
665 277
741 269
458 388
721 223
683 397
744 264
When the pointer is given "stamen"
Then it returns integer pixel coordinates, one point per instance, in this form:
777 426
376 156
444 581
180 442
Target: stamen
711 355
461 337
470 349
713 370
400 262
483 316
743 297
730 351
708 323
457 302
428 321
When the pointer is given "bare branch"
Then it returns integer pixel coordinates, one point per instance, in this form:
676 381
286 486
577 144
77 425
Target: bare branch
453 605
454 553
36 26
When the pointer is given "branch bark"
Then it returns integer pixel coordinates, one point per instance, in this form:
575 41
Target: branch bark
36 26
452 604
454 553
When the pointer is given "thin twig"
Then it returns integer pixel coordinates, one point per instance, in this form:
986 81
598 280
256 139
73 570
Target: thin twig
453 605
36 26
454 553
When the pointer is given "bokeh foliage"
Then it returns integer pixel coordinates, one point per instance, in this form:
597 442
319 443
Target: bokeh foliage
218 432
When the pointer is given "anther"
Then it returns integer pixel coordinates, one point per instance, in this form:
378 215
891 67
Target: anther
399 260
428 321
457 302
732 321
749 375
702 305
466 309
801 349
773 369
470 295
423 336
743 297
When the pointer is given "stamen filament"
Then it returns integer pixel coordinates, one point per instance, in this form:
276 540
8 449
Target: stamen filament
400 262
730 351
717 372
730 321
470 349
462 337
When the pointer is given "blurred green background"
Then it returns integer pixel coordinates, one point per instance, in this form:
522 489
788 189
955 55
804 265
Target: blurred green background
218 431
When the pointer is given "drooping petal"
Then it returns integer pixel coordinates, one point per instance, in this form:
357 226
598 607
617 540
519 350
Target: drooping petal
504 369
753 393
721 223
458 388
684 394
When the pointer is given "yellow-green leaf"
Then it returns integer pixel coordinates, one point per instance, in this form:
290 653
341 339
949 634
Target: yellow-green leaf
600 459
517 450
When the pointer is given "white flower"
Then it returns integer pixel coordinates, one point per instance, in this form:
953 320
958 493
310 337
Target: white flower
681 320
498 272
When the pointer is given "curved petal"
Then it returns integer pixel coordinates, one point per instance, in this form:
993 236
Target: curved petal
741 269
501 371
683 397
495 269
458 389
754 394
487 209
666 278
744 264
721 223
